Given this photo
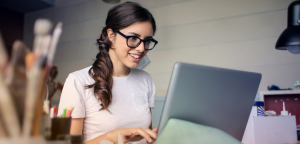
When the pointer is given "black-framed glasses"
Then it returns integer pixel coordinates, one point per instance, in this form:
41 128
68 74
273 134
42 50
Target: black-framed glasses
134 41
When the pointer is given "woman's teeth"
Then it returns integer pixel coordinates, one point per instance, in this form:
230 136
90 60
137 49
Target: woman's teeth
135 56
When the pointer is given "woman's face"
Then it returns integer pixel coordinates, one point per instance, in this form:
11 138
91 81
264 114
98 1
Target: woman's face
131 57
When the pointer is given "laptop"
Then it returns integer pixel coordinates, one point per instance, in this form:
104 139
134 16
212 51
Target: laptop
216 97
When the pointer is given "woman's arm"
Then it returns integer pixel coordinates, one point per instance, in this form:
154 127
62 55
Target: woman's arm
127 133
76 128
98 139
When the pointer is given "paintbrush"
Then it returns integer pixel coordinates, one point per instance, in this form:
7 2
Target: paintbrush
41 86
17 62
45 71
7 107
15 77
2 131
3 54
34 74
55 37
3 59
31 73
39 103
41 28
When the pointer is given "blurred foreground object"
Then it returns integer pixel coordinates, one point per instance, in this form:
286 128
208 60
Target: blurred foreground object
15 76
9 119
22 84
183 132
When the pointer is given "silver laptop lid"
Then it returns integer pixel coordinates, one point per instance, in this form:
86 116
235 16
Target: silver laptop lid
211 96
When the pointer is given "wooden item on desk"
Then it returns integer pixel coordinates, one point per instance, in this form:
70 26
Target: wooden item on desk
35 75
39 104
7 107
3 54
2 131
32 74
41 87
15 77
3 59
46 64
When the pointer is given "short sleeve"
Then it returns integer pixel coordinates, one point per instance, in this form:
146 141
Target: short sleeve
151 97
72 96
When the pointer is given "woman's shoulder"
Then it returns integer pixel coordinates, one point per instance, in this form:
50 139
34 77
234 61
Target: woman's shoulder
140 73
82 75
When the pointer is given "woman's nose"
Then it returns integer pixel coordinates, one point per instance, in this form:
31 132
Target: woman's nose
141 47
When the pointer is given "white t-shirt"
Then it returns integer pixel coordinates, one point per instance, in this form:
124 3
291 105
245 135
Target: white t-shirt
131 98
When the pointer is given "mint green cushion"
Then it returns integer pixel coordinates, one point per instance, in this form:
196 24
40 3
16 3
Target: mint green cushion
183 132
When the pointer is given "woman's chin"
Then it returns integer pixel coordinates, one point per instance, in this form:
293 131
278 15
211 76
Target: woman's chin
133 65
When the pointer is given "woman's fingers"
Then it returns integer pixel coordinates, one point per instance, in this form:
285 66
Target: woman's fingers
151 133
133 134
127 133
155 130
144 134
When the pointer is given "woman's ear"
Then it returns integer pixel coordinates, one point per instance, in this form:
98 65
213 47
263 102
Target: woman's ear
110 34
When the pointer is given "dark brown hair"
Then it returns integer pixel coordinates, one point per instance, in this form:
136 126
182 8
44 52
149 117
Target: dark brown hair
118 17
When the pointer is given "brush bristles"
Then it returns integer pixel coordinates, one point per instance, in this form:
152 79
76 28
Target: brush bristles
29 60
42 26
59 24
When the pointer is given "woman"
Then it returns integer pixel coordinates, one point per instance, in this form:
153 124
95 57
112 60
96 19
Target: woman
111 95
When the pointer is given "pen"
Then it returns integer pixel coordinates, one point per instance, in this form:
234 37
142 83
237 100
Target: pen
64 113
54 111
69 111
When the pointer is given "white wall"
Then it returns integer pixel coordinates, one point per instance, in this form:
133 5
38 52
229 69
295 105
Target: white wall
236 34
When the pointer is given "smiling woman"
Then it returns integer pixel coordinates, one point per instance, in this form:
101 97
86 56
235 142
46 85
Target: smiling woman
111 95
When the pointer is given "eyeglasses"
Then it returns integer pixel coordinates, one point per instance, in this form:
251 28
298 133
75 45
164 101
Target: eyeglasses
134 41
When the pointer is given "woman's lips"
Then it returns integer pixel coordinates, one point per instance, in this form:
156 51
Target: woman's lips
135 58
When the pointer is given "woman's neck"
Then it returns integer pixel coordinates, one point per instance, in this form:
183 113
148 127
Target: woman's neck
119 69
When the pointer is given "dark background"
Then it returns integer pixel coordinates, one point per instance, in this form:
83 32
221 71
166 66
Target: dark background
12 18
11 26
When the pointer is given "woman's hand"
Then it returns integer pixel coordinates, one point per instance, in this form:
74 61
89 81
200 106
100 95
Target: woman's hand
133 134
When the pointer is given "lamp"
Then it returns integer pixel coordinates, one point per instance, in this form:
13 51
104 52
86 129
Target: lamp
112 1
290 37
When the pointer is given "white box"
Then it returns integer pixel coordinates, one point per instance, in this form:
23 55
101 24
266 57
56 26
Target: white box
271 130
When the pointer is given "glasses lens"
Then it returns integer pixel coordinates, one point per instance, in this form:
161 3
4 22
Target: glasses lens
133 41
149 44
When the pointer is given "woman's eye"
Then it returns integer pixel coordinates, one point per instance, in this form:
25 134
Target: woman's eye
133 38
148 41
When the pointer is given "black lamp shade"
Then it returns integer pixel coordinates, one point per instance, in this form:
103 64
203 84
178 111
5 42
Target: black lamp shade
290 37
112 1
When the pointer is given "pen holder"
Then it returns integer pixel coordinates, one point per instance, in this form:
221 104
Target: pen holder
60 128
